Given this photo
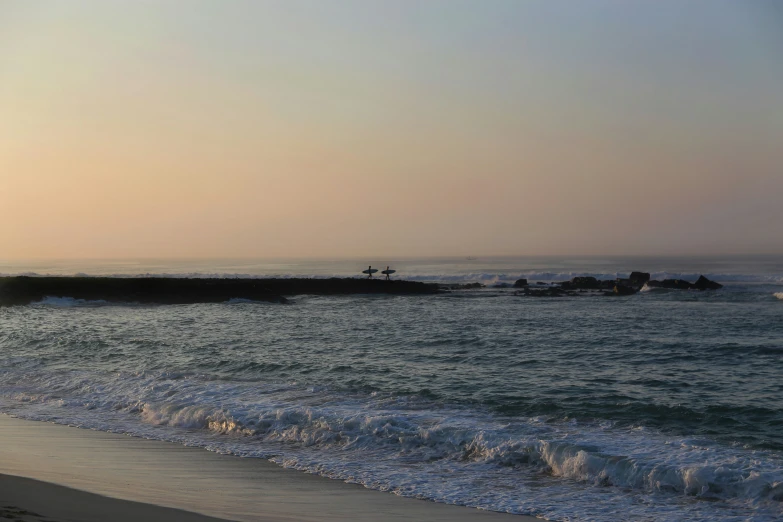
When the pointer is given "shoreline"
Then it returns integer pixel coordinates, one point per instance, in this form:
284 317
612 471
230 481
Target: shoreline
30 500
64 463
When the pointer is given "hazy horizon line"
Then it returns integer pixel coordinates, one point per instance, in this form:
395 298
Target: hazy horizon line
390 256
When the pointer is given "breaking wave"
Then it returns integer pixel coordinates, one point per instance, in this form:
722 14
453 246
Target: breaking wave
404 444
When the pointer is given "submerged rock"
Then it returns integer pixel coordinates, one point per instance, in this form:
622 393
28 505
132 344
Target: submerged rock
520 283
552 291
458 286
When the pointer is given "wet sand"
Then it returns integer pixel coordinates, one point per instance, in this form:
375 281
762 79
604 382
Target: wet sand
28 500
84 475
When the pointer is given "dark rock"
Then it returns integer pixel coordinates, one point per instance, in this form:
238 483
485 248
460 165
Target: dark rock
578 283
639 277
584 282
620 289
680 284
520 283
541 283
171 290
674 284
705 284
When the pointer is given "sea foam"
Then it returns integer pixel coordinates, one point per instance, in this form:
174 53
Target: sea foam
404 444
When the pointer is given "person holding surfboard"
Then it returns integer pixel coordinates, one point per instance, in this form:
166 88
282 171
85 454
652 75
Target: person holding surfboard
370 271
388 273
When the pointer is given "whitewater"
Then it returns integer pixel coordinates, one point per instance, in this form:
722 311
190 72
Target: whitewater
665 405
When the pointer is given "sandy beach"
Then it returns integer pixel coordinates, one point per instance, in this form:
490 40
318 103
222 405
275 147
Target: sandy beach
27 500
59 473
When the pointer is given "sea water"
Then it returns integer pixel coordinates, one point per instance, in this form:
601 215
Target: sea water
664 405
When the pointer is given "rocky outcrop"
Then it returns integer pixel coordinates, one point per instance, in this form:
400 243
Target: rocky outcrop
520 283
680 284
587 285
705 284
672 284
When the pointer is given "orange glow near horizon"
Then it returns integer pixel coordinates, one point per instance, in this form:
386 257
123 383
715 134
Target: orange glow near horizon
268 130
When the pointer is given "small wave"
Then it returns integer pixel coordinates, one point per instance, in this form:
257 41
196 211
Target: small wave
241 300
69 301
779 295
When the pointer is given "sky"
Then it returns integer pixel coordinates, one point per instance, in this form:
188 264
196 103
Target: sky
346 128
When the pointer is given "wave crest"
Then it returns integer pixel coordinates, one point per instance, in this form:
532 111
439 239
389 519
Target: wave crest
405 444
420 439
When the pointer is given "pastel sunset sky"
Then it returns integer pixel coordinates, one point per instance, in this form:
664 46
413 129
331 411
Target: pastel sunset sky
410 128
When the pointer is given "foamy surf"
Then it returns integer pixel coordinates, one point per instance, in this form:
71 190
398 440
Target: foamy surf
779 295
405 444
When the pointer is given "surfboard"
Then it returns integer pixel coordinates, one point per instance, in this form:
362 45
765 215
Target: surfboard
388 272
369 271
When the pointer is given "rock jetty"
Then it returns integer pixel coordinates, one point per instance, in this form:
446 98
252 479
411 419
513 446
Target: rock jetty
22 290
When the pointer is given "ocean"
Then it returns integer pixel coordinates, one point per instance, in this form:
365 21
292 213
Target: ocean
664 405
